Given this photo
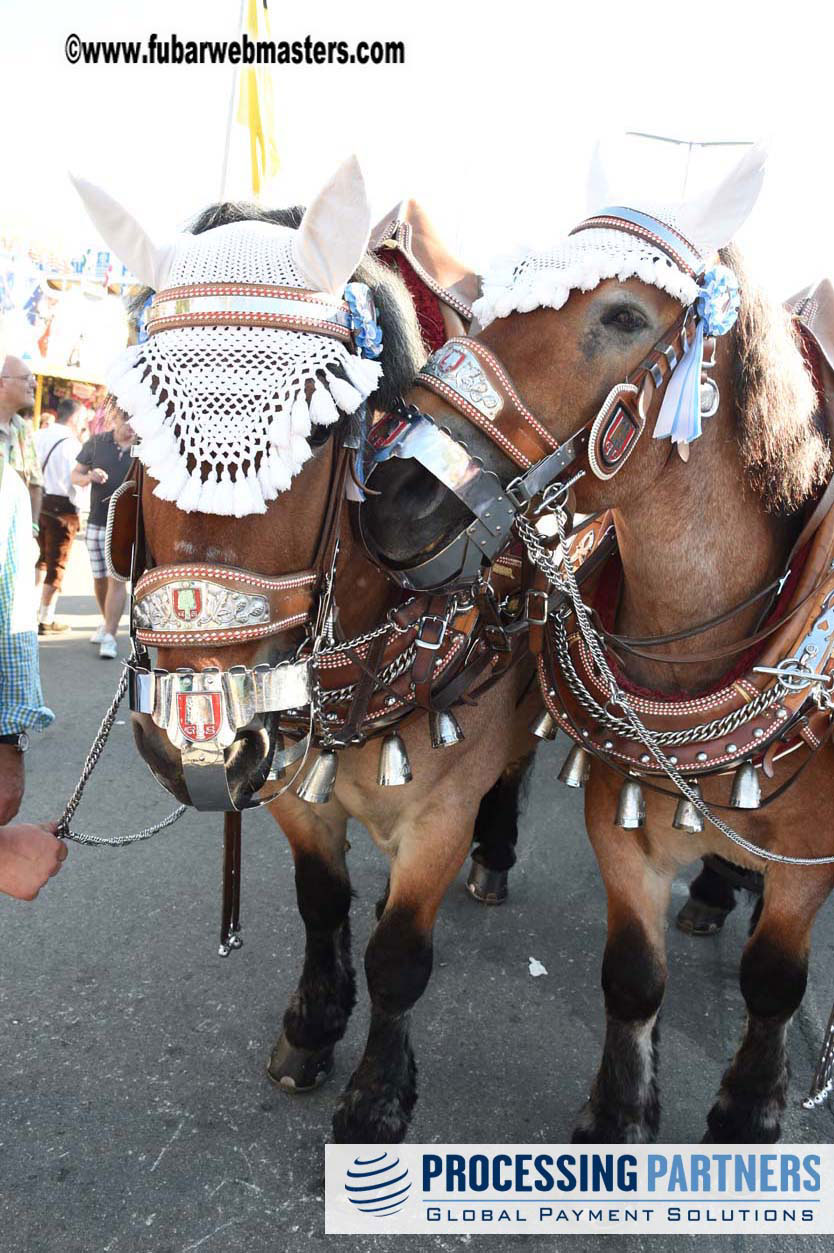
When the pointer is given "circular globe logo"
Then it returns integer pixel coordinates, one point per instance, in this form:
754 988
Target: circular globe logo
378 1184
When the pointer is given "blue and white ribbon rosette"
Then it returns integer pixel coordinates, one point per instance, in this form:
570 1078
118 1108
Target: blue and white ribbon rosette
367 333
367 336
716 308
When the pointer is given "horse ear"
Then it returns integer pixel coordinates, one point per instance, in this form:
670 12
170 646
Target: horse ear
334 232
150 262
598 187
713 218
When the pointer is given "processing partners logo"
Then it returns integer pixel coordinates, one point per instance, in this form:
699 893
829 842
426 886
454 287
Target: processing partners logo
603 1189
378 1183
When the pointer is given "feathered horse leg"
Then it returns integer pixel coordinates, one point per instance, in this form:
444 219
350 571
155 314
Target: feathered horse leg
624 1105
774 972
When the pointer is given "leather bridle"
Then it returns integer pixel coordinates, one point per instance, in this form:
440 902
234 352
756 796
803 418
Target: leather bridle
200 604
471 378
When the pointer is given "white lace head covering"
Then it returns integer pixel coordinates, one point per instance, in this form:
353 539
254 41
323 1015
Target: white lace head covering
222 411
691 231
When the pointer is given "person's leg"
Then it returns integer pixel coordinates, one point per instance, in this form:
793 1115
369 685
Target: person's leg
60 533
114 605
46 546
94 538
100 588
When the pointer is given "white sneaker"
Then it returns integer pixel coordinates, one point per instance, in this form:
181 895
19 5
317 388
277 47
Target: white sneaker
109 648
98 635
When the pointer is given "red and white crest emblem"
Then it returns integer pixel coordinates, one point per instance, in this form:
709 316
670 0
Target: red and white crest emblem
199 715
187 603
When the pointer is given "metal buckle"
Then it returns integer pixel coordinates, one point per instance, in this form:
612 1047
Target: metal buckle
543 596
517 492
421 643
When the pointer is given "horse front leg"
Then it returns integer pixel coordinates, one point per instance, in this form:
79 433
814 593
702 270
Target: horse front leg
773 976
624 1104
377 1104
318 1013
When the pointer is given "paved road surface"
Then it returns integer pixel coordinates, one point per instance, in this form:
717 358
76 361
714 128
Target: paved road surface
135 1113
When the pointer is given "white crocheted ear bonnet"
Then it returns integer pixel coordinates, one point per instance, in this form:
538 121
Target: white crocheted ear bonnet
223 399
667 246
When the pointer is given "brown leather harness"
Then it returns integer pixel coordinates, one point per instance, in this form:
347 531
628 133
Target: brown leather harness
769 710
431 652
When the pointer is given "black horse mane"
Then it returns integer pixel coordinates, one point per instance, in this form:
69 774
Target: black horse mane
403 351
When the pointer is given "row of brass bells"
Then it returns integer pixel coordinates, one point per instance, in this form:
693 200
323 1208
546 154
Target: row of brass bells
394 770
394 766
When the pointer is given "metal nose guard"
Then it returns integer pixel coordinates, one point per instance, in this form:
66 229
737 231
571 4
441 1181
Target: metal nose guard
201 712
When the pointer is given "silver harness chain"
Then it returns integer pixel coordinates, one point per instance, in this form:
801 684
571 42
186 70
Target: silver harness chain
564 580
111 841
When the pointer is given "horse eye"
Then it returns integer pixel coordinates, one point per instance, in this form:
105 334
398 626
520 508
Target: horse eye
625 318
319 436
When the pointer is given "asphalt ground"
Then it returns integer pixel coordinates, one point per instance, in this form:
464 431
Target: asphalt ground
135 1112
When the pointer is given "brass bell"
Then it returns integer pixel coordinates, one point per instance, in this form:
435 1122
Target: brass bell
394 766
746 793
576 767
631 807
444 729
320 779
543 726
687 817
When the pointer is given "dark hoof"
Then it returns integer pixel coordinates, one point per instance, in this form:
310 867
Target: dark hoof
296 1069
487 886
698 918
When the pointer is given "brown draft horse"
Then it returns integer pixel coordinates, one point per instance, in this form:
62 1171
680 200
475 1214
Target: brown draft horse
695 539
425 829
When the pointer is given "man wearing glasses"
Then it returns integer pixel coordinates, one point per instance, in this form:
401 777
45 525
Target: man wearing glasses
29 855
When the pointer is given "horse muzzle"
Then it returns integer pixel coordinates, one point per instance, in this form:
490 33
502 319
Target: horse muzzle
221 728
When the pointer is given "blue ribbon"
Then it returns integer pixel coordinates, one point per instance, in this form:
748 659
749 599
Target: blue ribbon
680 413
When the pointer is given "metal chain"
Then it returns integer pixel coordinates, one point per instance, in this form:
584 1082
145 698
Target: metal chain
387 676
568 583
114 841
717 729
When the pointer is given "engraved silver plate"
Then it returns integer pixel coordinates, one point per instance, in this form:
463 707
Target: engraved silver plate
459 368
196 605
279 306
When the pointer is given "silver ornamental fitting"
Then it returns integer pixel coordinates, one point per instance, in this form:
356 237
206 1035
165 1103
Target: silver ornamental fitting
687 817
576 767
211 706
746 792
198 605
631 807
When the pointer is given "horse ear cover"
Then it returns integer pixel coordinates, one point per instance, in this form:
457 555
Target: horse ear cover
148 260
334 233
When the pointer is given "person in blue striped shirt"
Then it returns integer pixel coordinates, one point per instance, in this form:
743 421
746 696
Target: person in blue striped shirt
29 855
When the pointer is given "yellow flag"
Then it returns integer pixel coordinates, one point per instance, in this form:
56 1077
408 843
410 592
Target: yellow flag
256 106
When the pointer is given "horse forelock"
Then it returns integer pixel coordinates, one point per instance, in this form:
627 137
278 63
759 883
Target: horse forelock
785 457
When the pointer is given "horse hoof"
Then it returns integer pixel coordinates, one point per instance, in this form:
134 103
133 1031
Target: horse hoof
299 1070
699 919
489 887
